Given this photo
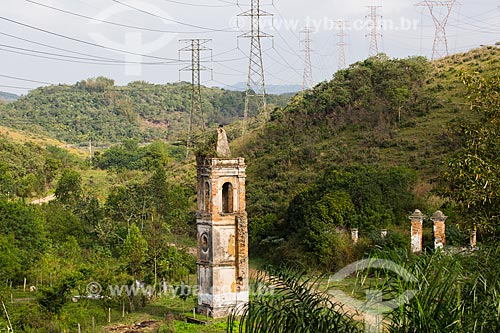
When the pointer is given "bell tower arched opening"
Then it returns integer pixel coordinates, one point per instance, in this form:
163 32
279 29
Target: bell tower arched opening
227 198
207 203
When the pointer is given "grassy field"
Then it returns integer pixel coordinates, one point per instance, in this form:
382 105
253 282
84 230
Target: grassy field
166 312
160 312
24 137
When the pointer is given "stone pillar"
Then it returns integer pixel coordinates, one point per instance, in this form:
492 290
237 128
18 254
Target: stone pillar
354 235
439 229
473 239
417 221
383 233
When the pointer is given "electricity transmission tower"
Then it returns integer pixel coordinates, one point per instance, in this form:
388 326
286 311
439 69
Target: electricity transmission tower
374 34
256 86
196 47
341 45
307 79
440 18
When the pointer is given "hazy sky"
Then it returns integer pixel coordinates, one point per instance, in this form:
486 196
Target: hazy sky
150 31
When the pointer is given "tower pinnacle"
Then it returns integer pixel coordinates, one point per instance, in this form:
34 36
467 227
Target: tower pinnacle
222 143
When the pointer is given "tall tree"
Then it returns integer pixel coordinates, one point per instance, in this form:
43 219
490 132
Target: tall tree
23 228
69 188
472 178
135 250
10 259
158 190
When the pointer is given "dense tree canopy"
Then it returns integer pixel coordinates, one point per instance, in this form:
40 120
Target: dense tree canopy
96 109
29 169
359 151
472 179
24 229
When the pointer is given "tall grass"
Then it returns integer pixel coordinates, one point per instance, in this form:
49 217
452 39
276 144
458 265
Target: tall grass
457 293
454 293
295 305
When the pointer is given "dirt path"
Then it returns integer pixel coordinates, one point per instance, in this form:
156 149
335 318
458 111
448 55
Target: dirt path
148 326
44 200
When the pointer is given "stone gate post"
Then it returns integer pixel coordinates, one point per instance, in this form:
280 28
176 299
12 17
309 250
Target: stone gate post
417 221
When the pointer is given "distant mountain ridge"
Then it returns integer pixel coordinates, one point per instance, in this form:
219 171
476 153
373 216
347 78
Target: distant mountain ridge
270 88
8 96
97 109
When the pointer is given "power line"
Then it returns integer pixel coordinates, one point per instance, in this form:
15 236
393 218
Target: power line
26 80
64 60
224 52
481 21
230 60
278 78
61 49
171 20
440 45
286 68
53 88
67 58
256 86
99 61
230 68
104 21
174 62
61 55
287 63
15 87
201 5
82 41
284 62
374 34
293 51
307 78
221 83
230 2
341 45
195 46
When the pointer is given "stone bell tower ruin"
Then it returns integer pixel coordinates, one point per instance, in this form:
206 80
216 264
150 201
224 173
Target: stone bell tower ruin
221 223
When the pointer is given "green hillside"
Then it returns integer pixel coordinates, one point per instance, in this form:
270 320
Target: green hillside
30 169
97 109
360 151
367 146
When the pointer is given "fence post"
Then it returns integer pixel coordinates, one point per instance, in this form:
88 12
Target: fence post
383 233
473 239
439 229
417 220
354 235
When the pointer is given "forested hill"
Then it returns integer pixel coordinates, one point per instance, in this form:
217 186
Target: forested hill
97 109
373 139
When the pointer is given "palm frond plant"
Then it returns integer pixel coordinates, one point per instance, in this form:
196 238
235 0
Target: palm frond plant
294 305
480 292
453 293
